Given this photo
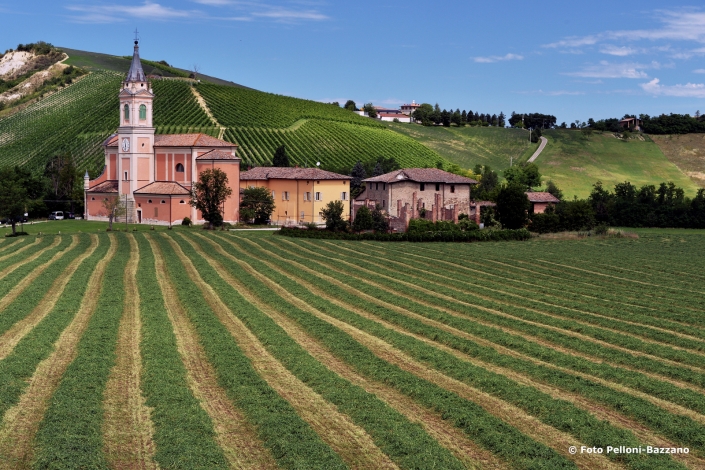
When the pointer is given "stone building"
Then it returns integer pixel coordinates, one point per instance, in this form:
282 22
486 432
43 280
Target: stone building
540 200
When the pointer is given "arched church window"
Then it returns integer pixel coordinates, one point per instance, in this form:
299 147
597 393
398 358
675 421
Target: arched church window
179 168
143 112
126 113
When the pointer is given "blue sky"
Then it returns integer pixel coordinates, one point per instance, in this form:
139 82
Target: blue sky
574 60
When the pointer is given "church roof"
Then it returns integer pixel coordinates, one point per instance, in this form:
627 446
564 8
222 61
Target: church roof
420 175
189 140
163 188
110 186
217 155
111 141
136 74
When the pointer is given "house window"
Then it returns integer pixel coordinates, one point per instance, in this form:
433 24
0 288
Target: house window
307 196
149 201
344 196
182 202
143 112
384 186
156 212
376 186
302 215
273 194
382 203
318 196
285 196
163 201
438 186
125 176
422 187
126 112
370 186
452 188
92 199
179 168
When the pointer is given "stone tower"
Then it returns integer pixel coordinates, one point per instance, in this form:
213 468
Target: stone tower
136 130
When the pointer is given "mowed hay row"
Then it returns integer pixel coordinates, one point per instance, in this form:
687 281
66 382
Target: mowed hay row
299 268
188 349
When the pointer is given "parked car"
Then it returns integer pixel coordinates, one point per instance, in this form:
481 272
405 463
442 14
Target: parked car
70 215
7 220
56 215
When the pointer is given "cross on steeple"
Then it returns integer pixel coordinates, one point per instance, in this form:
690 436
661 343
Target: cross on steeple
137 35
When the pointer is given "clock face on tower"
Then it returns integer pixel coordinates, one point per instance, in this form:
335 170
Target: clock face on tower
125 144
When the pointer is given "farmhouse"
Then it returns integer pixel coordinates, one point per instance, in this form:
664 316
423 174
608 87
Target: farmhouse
630 123
299 193
417 193
153 174
540 200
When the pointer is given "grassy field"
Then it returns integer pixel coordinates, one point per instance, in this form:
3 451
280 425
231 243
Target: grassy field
687 152
193 349
575 163
469 146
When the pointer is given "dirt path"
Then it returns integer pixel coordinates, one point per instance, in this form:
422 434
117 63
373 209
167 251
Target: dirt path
21 422
445 433
19 330
514 416
127 427
204 106
349 441
538 151
234 434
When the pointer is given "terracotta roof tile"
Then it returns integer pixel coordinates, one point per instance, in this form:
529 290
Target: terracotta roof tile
218 155
111 141
268 172
420 175
189 140
542 197
110 186
163 187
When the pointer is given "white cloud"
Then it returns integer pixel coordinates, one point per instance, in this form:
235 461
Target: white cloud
115 13
273 12
689 90
611 70
617 50
699 71
284 14
497 58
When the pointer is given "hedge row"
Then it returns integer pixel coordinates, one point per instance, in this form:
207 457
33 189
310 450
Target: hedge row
471 236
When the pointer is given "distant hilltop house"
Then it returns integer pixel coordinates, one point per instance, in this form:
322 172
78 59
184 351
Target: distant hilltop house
300 194
413 193
153 174
390 114
409 109
630 123
540 200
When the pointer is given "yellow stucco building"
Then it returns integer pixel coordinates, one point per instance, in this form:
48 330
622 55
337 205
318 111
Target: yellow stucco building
300 194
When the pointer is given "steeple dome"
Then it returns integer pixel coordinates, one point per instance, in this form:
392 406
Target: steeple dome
136 74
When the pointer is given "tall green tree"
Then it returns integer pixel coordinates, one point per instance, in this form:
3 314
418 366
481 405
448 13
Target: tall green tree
208 195
13 196
350 105
363 220
333 215
281 159
370 110
512 206
258 204
358 174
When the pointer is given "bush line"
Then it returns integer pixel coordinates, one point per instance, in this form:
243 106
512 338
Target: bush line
470 236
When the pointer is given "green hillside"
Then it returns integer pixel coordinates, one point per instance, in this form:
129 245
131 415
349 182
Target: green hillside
469 146
575 162
78 118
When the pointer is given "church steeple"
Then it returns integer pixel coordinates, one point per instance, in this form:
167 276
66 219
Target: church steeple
136 74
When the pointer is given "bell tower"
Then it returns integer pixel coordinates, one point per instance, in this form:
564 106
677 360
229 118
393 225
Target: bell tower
136 130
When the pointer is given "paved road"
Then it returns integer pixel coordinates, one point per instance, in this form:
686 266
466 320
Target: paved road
538 151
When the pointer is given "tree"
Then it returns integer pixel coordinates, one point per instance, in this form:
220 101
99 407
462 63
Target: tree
370 110
501 120
333 215
358 174
527 176
114 208
13 196
378 169
281 159
258 204
380 222
512 206
551 188
363 219
423 114
208 195
350 105
457 118
445 118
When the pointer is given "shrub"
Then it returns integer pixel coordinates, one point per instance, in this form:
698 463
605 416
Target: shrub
363 219
448 236
601 229
187 222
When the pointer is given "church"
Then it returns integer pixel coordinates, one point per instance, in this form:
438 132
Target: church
153 174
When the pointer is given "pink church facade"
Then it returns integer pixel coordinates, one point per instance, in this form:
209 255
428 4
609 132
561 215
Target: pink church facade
153 174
